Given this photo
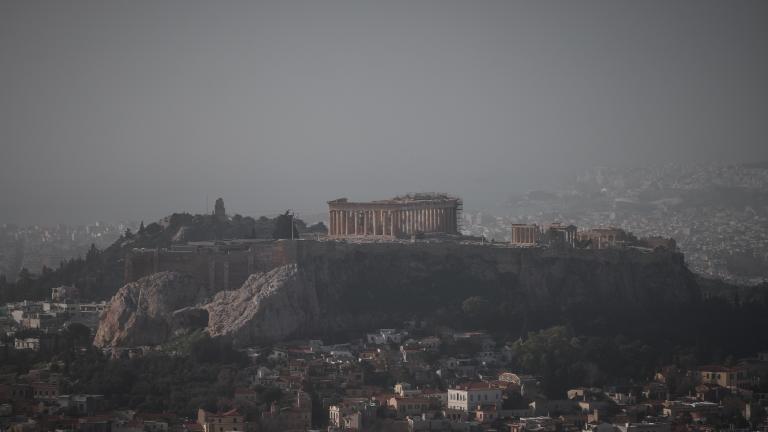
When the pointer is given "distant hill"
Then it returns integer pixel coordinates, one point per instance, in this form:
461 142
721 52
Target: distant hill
759 165
327 288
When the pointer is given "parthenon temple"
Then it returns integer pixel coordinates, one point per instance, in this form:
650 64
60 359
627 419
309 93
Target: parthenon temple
401 216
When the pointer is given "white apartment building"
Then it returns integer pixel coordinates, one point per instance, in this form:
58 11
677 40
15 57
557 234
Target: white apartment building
467 397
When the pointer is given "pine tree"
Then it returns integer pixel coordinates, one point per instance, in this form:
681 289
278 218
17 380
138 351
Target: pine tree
285 227
92 256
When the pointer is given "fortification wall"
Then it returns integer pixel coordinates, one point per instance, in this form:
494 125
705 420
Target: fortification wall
538 272
219 270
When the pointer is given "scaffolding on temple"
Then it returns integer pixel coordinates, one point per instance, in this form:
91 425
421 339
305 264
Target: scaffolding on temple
459 215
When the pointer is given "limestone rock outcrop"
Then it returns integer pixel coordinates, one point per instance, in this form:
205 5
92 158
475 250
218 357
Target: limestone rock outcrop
141 312
323 288
269 306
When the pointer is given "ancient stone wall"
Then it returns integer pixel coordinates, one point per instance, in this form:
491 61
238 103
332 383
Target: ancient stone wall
538 272
218 270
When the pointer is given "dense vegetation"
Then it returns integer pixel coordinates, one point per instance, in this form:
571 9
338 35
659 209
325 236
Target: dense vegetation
567 348
99 274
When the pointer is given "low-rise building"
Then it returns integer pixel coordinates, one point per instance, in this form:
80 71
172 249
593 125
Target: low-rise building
728 377
468 397
220 422
409 406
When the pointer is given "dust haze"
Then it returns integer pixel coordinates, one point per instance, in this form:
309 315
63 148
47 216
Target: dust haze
134 109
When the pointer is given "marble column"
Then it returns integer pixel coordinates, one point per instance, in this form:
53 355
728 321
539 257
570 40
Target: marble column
408 222
409 218
444 220
348 226
420 220
420 216
432 222
373 222
443 225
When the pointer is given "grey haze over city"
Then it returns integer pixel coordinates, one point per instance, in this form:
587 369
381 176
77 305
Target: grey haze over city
128 110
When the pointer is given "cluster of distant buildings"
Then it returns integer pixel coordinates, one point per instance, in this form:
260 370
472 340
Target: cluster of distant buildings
473 389
410 379
33 247
530 235
36 325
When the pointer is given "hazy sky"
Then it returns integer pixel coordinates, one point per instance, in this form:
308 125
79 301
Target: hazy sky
127 110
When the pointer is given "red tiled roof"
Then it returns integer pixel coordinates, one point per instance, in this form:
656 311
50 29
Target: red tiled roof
230 413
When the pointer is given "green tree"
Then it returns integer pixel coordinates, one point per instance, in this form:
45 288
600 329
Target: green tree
285 227
476 306
92 256
24 282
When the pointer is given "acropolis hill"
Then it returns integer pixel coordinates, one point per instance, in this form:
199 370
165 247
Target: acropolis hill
314 288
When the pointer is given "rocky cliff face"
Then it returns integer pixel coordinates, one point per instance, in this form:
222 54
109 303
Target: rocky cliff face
141 313
330 287
269 306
